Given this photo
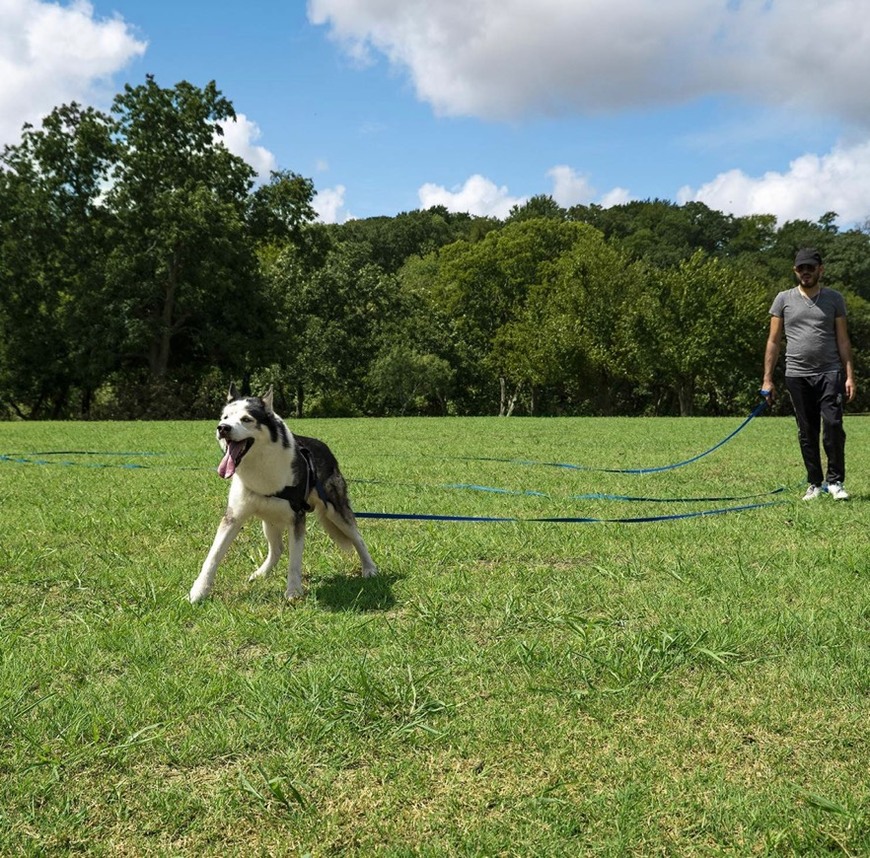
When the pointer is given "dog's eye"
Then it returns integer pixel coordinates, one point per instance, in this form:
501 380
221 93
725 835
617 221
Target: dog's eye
247 419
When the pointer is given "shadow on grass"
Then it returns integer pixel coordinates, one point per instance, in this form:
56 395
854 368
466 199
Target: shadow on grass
352 593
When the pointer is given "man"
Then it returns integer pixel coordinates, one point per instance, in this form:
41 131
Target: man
818 369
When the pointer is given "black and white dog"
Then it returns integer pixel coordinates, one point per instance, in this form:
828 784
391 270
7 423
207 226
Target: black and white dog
277 477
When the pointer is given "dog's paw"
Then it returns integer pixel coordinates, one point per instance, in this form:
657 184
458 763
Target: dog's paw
370 571
196 594
294 594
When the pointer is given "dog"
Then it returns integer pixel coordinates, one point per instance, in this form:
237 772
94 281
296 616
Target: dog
277 477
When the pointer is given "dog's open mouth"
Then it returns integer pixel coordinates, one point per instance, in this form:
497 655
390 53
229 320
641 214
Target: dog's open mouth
233 456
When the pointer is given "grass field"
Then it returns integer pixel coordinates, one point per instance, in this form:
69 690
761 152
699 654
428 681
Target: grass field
696 686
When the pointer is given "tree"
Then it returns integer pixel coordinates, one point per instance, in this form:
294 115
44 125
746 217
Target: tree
403 379
661 232
332 320
53 235
390 242
484 290
847 263
585 312
182 260
538 206
705 321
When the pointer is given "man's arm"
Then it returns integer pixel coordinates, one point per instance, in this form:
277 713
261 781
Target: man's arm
771 354
844 347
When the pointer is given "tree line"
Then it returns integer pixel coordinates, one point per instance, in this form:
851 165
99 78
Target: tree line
142 268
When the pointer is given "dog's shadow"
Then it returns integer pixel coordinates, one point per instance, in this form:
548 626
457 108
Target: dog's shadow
352 593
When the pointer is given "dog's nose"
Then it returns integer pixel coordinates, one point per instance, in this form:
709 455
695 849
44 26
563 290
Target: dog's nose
224 430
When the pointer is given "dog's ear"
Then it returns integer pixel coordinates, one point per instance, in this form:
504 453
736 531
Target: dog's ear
232 393
268 398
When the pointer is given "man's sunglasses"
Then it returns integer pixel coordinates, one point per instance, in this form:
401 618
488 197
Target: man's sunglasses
806 269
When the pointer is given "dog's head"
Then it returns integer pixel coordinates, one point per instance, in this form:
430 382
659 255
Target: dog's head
244 421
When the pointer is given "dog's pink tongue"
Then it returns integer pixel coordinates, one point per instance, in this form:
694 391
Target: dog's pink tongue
227 467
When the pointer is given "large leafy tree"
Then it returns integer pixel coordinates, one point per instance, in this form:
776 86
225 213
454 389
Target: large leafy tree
577 324
183 266
660 232
705 329
332 316
390 242
484 289
54 238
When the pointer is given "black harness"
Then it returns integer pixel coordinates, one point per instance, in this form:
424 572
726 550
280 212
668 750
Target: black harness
297 494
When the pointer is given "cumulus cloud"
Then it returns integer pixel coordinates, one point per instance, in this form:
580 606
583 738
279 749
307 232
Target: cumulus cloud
478 196
569 187
52 55
510 60
615 197
240 138
812 185
507 59
329 205
482 197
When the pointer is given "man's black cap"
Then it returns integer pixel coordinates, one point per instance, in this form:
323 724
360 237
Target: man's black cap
807 256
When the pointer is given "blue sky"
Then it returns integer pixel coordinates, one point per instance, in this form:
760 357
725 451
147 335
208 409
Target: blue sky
753 106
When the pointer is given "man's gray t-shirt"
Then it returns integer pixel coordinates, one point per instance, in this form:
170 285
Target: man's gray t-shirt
811 341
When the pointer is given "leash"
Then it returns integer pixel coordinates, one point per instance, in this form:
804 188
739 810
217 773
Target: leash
20 459
398 516
471 487
765 394
30 459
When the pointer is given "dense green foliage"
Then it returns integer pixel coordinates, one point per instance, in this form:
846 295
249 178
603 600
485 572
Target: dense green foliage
141 268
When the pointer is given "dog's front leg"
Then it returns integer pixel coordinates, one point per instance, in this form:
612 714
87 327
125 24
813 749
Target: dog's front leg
295 590
226 533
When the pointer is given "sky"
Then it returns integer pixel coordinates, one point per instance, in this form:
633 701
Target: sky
750 106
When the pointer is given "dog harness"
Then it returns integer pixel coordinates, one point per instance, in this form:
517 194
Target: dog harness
297 493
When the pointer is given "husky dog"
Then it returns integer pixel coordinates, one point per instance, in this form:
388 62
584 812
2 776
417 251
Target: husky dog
278 477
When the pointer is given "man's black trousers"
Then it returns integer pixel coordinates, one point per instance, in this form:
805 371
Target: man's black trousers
818 406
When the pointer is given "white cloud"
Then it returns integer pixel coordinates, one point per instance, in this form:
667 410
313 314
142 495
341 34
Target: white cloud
482 197
505 59
615 197
478 196
52 54
329 205
810 187
240 136
510 60
569 187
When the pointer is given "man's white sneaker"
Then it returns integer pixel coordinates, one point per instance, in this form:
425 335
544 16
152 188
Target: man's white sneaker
837 492
812 492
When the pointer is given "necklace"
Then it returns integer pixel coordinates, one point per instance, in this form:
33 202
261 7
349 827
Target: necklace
810 302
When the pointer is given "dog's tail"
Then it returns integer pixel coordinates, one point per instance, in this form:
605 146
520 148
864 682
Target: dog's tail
335 523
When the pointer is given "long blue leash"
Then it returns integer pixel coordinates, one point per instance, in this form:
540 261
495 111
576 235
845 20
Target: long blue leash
26 459
754 413
587 520
399 516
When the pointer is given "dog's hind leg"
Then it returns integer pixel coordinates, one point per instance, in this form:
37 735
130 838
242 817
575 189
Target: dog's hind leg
343 529
275 537
295 590
369 569
226 533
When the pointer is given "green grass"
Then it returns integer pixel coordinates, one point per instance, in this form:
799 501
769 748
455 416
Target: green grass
689 687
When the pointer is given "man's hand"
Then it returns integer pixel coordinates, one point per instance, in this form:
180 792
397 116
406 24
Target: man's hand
851 389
